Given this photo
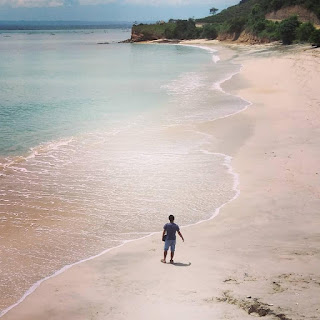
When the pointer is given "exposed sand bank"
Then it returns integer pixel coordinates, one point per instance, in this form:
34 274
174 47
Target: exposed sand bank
263 245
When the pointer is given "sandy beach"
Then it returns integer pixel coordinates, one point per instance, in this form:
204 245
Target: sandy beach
260 256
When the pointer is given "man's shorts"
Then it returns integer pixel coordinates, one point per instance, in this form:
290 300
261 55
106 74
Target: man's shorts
171 244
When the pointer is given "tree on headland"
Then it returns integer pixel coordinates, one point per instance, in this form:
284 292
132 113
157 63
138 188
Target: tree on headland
288 29
236 25
305 31
256 21
182 29
276 5
213 10
315 38
186 29
209 32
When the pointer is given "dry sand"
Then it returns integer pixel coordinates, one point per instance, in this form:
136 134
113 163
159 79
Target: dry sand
260 256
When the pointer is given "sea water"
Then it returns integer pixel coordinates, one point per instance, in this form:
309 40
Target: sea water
98 146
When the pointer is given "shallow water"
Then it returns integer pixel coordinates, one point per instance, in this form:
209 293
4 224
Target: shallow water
98 145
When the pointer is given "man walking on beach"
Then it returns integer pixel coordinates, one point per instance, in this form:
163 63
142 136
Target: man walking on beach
169 231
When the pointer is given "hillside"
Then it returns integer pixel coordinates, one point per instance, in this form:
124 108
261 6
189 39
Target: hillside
303 14
243 9
251 21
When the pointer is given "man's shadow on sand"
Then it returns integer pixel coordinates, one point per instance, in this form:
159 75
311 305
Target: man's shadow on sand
181 264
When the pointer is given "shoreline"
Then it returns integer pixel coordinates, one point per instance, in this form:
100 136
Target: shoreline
228 272
226 163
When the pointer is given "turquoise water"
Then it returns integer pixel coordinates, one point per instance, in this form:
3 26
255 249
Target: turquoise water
99 143
55 86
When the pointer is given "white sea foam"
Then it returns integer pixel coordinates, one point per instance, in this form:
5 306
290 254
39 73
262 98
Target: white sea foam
12 162
215 58
217 85
24 170
248 103
185 84
49 146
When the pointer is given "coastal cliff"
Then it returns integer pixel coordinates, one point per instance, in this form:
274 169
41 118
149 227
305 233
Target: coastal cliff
243 37
139 35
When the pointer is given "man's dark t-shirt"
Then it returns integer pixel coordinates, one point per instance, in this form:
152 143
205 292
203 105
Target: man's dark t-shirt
171 229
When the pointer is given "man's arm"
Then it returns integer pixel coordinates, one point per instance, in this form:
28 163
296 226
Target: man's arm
163 233
181 236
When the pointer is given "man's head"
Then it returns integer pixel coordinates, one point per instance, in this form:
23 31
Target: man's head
171 218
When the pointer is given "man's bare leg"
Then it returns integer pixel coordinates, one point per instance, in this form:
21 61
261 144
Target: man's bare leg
164 256
172 254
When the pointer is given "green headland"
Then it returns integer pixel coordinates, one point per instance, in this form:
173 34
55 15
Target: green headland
250 21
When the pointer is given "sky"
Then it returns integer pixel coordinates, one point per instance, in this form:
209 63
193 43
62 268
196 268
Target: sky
108 10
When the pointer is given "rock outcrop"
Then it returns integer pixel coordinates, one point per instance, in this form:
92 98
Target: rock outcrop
138 37
251 39
243 37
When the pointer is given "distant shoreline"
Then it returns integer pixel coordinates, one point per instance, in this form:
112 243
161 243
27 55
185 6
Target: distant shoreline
61 25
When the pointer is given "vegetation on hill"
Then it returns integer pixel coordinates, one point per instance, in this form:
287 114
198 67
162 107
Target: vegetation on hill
243 9
248 16
183 29
174 29
312 5
153 31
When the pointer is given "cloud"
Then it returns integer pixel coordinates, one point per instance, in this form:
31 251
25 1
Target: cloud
70 3
96 2
211 3
167 2
38 3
